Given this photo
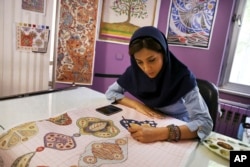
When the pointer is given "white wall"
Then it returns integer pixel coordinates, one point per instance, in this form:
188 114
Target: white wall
22 72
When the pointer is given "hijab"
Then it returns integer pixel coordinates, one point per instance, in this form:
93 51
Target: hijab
172 82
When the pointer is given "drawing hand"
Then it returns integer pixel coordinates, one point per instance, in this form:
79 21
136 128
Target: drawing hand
144 134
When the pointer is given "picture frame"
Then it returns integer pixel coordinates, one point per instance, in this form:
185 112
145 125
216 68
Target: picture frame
119 19
32 37
190 23
34 6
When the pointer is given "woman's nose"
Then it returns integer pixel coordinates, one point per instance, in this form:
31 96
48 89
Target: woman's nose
146 67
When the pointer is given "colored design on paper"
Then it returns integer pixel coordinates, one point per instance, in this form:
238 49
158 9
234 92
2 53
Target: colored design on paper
34 5
59 141
23 160
63 119
97 127
52 140
125 123
18 135
104 152
31 37
76 41
191 22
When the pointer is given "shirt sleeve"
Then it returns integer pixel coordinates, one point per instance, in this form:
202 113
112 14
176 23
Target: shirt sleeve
114 92
200 118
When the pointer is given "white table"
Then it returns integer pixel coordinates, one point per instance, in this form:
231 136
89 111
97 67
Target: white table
20 110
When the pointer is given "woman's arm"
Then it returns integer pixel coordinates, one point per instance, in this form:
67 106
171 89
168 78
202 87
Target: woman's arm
150 134
153 134
116 93
140 107
200 124
200 119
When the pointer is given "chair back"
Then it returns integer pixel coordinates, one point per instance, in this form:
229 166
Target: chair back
210 94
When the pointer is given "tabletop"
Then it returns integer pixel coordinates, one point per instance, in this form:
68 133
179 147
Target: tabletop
79 105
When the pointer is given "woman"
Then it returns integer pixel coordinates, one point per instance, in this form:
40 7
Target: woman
162 84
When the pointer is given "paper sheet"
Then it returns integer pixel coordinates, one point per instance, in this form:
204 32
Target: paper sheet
67 139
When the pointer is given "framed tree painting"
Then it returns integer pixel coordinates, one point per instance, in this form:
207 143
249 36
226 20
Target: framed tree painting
120 18
191 22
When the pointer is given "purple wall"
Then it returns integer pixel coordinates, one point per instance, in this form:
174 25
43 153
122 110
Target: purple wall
206 64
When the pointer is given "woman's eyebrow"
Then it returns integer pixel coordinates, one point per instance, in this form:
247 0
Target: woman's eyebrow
149 57
138 59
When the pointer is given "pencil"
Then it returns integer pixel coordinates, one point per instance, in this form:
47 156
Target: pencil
126 121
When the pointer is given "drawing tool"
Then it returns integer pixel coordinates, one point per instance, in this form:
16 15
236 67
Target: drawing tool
126 121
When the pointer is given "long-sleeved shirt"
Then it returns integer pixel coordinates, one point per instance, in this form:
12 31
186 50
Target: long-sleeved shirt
191 108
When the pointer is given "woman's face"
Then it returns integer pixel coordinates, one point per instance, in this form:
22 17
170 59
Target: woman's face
149 61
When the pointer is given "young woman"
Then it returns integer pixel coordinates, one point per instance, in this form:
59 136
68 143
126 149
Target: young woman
162 84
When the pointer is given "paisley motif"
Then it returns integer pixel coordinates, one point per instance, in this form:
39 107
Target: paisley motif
63 119
18 135
23 160
104 152
97 127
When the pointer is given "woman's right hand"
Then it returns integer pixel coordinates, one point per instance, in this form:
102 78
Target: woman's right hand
147 134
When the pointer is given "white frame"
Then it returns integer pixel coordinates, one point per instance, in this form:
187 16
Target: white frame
225 85
156 18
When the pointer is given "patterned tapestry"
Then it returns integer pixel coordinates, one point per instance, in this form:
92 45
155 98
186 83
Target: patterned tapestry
76 41
32 37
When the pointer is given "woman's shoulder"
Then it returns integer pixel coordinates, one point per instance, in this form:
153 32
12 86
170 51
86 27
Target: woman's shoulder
192 93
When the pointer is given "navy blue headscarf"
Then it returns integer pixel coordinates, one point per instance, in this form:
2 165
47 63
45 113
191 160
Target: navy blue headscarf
173 81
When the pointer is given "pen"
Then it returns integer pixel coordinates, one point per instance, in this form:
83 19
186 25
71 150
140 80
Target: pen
2 127
126 121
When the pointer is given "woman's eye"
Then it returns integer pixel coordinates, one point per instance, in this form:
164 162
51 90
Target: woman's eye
151 60
139 63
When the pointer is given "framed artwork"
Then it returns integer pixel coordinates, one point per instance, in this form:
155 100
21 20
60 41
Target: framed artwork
32 37
191 23
120 18
38 6
75 43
